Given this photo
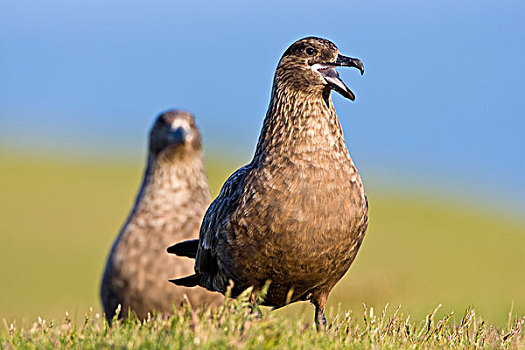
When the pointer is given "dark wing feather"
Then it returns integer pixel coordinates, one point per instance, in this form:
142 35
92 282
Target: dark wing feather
188 281
185 248
216 218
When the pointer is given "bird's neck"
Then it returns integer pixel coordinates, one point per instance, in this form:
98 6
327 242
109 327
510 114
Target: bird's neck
300 122
168 185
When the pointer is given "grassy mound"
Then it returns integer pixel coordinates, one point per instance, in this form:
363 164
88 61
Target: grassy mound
235 326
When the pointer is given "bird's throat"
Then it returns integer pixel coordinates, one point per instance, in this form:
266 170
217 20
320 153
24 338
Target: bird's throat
169 184
300 122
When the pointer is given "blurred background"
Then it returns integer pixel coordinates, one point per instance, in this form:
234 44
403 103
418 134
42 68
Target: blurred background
436 131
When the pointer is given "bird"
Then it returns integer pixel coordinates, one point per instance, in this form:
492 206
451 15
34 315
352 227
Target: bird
296 215
169 207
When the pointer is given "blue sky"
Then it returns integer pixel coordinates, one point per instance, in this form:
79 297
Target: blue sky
442 100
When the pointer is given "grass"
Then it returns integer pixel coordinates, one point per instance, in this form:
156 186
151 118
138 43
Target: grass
58 218
234 325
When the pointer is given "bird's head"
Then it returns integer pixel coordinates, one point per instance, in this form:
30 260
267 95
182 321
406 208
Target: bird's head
309 65
174 133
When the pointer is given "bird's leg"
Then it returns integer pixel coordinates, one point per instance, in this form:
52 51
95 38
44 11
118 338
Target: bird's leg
253 298
320 320
254 307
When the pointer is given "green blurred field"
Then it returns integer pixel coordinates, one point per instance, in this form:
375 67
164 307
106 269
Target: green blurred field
59 217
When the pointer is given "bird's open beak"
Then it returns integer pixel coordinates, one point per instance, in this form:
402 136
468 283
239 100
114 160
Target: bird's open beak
330 75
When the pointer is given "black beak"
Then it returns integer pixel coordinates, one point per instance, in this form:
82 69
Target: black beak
332 76
178 135
344 61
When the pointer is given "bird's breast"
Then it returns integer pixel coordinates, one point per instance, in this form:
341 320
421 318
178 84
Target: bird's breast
302 215
305 199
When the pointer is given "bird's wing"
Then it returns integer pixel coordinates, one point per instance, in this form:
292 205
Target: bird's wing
216 218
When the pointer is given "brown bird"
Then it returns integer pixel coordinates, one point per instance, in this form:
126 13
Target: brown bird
169 207
297 214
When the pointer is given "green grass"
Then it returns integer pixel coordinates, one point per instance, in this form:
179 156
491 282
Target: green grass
235 326
59 217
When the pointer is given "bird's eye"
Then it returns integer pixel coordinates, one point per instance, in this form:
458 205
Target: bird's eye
310 51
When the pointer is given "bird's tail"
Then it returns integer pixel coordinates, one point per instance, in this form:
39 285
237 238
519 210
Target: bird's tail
188 281
186 248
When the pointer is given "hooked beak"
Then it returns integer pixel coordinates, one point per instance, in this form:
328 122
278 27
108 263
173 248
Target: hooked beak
331 76
178 135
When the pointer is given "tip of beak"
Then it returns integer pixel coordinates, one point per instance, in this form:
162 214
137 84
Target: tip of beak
361 68
350 62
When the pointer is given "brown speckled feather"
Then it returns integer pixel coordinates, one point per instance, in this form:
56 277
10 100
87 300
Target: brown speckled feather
297 214
169 207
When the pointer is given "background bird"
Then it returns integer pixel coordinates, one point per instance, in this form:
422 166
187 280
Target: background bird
297 214
169 207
